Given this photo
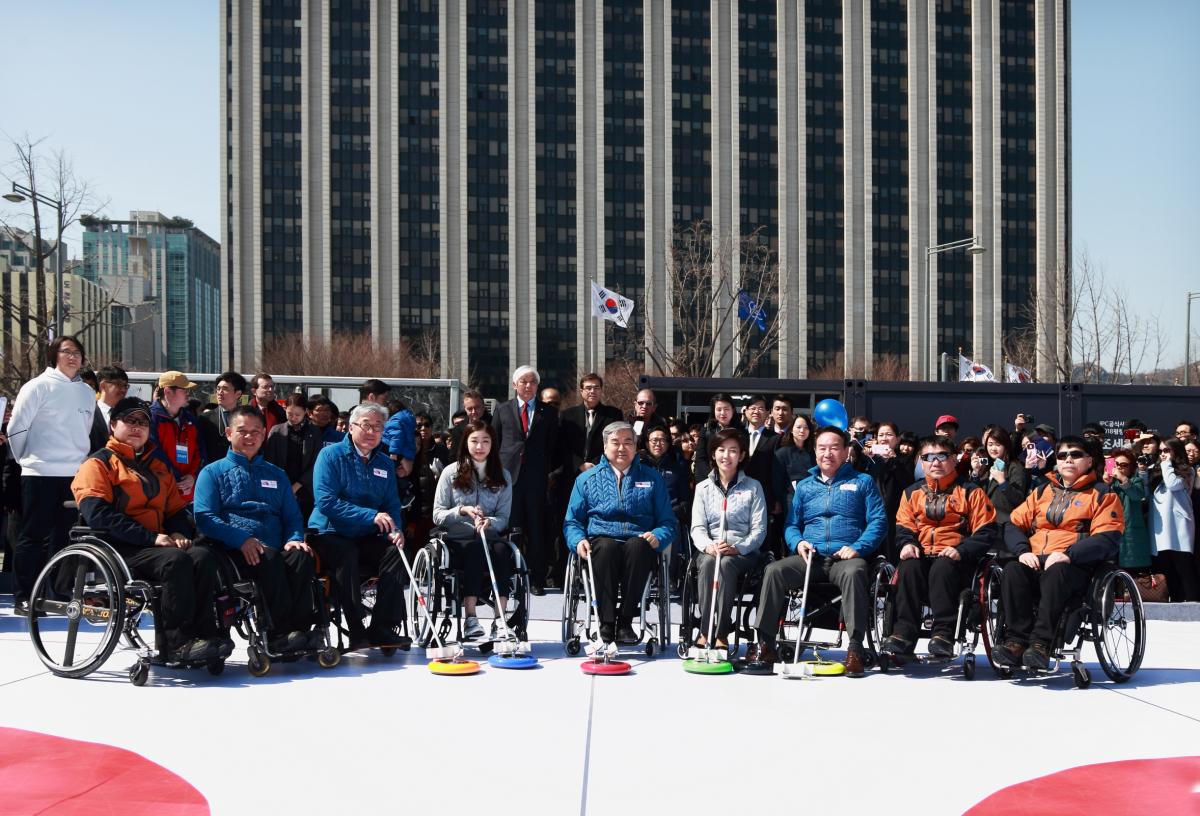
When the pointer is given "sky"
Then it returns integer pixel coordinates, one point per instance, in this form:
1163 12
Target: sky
131 90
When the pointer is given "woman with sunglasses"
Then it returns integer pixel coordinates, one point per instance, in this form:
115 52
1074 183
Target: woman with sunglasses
1059 534
1131 488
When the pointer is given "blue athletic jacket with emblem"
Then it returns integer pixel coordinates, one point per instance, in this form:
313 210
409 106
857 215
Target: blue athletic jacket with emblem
237 498
643 505
348 492
846 511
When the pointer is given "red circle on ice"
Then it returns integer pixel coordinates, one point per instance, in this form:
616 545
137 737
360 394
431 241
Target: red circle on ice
53 775
1133 786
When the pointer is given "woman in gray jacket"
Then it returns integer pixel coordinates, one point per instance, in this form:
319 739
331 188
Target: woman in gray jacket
474 495
729 518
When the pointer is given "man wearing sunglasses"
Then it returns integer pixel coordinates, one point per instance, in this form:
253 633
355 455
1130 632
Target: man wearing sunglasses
1061 531
943 526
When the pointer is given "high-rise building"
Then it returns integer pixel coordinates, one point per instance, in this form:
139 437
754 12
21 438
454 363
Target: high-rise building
465 169
167 273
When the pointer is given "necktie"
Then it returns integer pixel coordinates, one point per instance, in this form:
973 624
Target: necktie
754 441
590 419
525 417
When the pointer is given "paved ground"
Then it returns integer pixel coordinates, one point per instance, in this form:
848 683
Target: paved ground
376 735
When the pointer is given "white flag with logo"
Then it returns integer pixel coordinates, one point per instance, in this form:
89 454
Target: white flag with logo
971 371
608 305
1016 374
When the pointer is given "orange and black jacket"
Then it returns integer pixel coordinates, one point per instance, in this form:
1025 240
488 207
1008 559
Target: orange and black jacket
1085 520
935 515
127 498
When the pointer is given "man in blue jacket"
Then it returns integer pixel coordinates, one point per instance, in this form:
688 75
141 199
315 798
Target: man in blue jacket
246 504
620 517
837 520
359 519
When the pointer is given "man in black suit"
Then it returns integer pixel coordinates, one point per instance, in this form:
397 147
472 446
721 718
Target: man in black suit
581 444
228 391
476 409
114 385
761 443
645 418
527 434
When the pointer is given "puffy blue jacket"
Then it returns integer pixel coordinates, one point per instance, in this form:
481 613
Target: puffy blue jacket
348 492
237 498
400 435
598 509
846 511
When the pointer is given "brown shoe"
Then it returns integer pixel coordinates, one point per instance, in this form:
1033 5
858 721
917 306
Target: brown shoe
762 654
1008 653
855 663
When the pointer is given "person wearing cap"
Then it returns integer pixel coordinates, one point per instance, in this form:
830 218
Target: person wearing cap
130 498
176 433
48 437
947 426
246 503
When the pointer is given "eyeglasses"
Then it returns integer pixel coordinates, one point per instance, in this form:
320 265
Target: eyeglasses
1071 455
366 428
71 353
1123 465
935 457
136 422
656 440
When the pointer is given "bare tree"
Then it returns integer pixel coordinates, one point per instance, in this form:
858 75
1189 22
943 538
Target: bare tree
26 330
352 355
705 278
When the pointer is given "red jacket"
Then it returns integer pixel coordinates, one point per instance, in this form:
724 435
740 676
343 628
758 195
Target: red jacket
178 443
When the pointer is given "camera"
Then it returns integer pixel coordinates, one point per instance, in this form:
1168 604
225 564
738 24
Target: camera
984 460
1145 460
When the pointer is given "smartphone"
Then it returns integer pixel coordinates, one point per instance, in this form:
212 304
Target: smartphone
880 450
1109 464
998 465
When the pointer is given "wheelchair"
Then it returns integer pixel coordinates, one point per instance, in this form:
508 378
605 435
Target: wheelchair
823 611
968 628
654 616
745 623
441 582
1108 613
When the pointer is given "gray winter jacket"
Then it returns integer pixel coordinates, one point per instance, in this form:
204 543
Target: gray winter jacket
745 514
496 505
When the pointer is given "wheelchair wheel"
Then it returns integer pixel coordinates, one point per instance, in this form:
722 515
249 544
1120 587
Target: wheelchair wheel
992 615
81 586
663 636
881 606
572 623
328 657
257 661
425 579
1119 625
689 604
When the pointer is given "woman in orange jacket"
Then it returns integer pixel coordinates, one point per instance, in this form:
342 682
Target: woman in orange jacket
1059 534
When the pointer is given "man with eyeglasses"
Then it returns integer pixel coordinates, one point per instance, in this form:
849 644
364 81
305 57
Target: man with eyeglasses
214 422
113 386
944 525
48 436
129 498
645 416
176 432
359 522
264 399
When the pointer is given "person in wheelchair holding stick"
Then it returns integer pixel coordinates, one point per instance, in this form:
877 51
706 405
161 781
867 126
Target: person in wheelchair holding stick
620 516
130 499
247 505
836 521
944 525
359 521
475 494
1059 534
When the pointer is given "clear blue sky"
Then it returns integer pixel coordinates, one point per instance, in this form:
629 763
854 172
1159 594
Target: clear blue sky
131 89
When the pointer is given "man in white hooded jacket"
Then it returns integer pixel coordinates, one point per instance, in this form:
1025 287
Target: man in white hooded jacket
48 435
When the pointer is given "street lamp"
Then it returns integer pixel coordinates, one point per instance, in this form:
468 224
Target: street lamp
973 247
21 193
1187 338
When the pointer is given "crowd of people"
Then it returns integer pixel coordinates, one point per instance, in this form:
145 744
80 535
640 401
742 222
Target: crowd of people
276 481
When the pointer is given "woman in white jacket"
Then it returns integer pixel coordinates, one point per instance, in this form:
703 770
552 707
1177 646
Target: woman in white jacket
1173 521
729 518
474 495
48 435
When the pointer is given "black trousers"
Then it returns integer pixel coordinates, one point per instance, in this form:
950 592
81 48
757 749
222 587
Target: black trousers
45 525
938 579
1034 600
783 576
528 507
1182 570
468 556
285 578
188 578
347 559
624 564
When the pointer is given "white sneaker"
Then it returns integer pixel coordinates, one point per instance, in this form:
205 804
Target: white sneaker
472 630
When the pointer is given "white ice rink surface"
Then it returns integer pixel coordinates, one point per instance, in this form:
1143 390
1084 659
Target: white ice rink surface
379 735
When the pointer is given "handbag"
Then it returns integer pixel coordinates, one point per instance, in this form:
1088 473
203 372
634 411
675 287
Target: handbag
1152 587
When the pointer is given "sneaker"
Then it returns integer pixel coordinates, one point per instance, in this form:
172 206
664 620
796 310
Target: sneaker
278 643
472 630
1037 657
1008 653
896 645
195 651
940 646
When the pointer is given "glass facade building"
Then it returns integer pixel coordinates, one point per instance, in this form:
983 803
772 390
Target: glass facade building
465 171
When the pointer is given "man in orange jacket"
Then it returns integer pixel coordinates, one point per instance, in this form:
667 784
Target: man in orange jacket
1061 531
943 526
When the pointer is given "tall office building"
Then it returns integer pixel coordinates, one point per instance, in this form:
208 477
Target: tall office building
465 169
167 275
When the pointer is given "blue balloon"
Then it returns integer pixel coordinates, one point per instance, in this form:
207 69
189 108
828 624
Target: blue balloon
831 412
